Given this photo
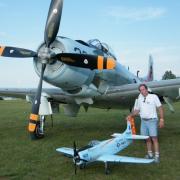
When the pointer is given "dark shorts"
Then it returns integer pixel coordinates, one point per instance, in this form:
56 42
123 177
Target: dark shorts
149 127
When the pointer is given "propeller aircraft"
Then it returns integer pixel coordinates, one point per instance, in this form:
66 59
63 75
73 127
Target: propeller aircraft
84 74
106 150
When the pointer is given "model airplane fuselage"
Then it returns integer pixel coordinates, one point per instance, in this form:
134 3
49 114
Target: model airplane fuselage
105 150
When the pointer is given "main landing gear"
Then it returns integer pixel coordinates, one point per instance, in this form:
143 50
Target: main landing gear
39 130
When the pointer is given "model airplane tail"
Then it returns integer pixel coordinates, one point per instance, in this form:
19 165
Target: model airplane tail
130 132
131 129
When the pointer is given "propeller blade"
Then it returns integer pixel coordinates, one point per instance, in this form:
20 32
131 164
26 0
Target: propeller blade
75 168
87 61
75 151
15 52
35 107
53 21
75 154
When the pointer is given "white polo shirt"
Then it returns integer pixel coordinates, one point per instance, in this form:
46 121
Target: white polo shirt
147 105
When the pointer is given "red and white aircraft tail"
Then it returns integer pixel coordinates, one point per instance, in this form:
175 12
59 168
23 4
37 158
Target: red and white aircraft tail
150 75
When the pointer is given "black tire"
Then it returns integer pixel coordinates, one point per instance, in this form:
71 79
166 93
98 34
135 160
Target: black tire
107 171
82 166
36 134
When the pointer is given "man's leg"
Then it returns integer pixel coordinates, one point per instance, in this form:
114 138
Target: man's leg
144 131
149 148
156 148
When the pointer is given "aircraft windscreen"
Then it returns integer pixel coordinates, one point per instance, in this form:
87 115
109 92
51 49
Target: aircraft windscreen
101 46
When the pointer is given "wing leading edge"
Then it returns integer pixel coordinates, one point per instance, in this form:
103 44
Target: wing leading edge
66 151
124 159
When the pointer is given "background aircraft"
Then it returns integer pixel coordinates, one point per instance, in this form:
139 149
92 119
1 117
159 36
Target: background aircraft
104 151
85 74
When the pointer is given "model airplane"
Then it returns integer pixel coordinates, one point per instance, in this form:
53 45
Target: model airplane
105 151
85 74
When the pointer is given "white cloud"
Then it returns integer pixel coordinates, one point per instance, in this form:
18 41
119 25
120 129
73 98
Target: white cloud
136 14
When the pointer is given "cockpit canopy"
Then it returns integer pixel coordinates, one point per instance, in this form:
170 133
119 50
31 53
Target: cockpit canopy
101 46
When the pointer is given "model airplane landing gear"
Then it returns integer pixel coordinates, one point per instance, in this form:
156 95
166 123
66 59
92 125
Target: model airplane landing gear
39 130
82 166
107 171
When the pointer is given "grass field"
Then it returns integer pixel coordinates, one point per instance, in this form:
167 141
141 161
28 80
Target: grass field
21 158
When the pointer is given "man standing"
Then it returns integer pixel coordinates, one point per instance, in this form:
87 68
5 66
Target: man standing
146 106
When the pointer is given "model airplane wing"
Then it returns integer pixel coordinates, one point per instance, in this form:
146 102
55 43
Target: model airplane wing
124 159
69 152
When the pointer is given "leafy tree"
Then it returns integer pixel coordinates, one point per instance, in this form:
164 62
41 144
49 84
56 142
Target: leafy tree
168 75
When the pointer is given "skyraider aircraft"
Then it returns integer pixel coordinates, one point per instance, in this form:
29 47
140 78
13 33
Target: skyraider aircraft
106 150
84 74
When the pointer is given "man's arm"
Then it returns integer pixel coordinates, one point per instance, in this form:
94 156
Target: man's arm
161 114
134 113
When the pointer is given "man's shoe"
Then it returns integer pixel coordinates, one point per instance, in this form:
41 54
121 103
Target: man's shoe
156 159
147 156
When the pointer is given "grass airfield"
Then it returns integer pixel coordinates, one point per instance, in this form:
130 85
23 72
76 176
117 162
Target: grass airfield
22 158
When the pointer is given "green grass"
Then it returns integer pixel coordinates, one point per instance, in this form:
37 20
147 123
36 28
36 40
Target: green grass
21 158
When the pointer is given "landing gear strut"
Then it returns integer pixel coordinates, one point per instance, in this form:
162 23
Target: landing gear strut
39 131
82 166
107 171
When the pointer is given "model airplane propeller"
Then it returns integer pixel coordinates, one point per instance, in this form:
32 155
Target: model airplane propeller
76 157
46 56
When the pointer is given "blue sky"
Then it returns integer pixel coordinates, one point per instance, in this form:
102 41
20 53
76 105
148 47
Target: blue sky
133 28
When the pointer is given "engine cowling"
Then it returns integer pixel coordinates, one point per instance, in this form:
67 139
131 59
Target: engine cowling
60 74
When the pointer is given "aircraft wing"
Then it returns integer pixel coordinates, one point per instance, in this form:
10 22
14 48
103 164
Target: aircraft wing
123 159
114 97
169 88
53 93
124 96
69 152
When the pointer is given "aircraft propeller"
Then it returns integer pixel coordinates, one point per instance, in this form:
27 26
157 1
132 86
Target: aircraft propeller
46 55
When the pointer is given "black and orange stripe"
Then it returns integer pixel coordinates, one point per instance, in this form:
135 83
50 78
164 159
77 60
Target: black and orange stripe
33 119
105 63
87 61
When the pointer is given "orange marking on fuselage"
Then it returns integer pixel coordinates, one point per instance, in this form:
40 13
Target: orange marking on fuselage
1 50
111 63
100 62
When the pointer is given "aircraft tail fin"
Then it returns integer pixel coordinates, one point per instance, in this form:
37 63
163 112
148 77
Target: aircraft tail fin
130 132
150 74
131 129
